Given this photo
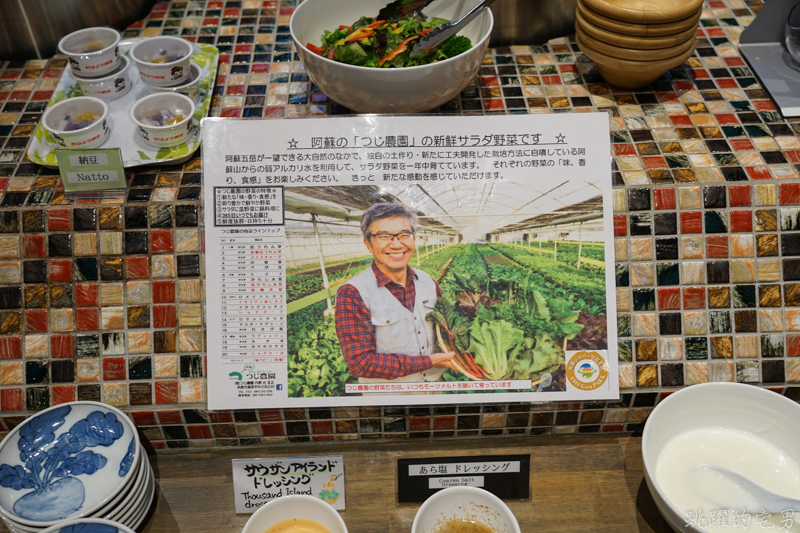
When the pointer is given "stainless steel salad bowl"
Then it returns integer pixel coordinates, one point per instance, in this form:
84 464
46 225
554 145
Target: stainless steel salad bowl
387 90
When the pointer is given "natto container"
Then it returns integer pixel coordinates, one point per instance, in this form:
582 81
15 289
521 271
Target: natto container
111 86
169 73
190 86
92 52
91 136
156 104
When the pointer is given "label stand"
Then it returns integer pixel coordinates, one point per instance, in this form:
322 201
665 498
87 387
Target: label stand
95 174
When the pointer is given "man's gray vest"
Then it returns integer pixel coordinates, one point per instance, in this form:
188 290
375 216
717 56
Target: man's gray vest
398 330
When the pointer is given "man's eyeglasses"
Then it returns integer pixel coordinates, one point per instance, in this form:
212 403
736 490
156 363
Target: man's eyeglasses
386 238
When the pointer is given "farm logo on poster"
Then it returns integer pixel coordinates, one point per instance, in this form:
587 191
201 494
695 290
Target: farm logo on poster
587 370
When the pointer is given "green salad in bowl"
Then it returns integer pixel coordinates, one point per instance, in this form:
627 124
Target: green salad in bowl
381 44
377 75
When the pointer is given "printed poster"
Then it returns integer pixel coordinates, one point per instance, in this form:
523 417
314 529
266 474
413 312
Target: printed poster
398 260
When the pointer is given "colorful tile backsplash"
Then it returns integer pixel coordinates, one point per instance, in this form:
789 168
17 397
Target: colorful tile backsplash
104 300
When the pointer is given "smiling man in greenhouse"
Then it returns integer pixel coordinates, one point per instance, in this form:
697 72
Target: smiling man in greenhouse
380 313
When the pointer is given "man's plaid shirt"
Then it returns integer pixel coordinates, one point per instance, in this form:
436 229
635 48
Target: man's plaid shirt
357 334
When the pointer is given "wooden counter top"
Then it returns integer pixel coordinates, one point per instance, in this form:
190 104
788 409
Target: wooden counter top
578 483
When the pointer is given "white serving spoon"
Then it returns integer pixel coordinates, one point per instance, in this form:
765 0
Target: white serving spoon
751 496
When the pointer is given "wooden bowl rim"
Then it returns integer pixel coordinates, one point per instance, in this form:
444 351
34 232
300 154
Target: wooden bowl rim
637 30
627 41
626 53
599 57
646 11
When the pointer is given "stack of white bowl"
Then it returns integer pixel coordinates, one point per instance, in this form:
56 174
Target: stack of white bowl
633 42
74 460
96 64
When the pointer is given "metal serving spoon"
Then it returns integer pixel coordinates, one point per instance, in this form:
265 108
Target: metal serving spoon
434 39
754 496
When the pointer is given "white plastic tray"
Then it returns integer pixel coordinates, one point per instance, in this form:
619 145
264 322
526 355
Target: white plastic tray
123 132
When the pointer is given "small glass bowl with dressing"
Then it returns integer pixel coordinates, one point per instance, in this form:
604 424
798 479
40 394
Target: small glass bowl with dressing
296 506
453 505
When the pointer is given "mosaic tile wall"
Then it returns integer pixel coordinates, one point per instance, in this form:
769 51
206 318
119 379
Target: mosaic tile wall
103 301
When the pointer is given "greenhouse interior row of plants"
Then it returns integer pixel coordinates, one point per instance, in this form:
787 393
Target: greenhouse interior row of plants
513 262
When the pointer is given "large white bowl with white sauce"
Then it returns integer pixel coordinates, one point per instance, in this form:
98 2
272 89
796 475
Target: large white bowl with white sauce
716 424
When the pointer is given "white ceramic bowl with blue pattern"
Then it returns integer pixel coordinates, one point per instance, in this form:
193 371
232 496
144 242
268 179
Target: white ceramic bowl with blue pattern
66 462
129 508
130 497
88 525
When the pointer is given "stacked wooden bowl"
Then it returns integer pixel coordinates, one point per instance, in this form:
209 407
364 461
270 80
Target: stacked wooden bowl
633 42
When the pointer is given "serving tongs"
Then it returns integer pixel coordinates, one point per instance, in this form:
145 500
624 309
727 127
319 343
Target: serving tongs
400 9
434 39
396 11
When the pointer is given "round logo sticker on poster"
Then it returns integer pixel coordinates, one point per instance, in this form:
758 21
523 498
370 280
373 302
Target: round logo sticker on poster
587 370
